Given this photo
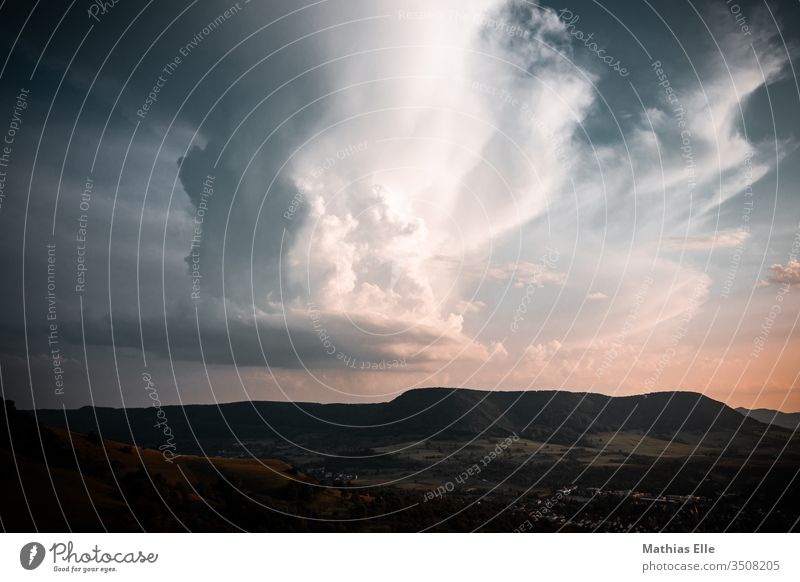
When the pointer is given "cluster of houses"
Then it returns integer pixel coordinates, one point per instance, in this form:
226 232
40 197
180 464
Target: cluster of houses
326 477
638 496
559 509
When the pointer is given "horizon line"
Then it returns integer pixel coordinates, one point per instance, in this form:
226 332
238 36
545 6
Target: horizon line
399 394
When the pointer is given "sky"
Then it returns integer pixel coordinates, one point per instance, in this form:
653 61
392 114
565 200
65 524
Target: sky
341 200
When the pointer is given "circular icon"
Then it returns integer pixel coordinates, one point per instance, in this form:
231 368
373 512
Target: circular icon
31 555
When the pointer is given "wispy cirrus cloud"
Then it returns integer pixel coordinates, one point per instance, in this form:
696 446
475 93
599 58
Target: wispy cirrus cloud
526 273
707 242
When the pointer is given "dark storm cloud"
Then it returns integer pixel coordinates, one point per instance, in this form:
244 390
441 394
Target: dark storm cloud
136 225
